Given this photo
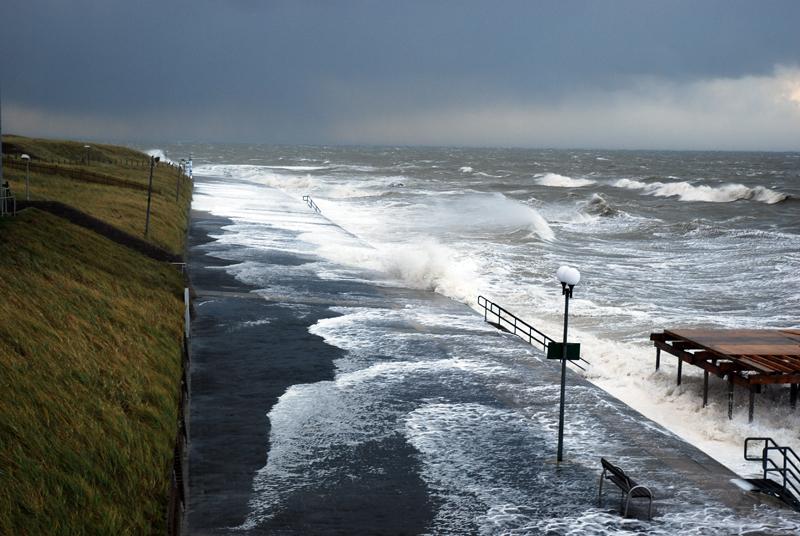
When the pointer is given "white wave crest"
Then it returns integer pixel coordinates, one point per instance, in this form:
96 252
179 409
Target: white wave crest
158 153
562 181
689 192
493 211
431 266
297 168
295 180
466 169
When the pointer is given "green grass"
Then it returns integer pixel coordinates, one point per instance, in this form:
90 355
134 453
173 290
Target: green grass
121 206
90 359
90 351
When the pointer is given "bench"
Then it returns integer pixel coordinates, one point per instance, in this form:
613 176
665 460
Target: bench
629 488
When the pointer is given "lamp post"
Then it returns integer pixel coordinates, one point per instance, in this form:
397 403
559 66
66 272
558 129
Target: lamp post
568 277
178 180
27 173
153 160
87 147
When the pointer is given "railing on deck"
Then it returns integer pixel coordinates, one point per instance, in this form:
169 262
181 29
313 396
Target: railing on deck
504 319
782 461
178 493
311 204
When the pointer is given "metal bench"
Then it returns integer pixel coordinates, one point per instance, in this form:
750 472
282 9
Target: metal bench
629 488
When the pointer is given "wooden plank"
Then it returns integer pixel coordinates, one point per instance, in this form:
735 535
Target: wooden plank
758 349
764 363
777 363
717 370
775 378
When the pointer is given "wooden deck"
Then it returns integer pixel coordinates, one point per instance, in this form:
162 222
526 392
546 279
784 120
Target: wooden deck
746 357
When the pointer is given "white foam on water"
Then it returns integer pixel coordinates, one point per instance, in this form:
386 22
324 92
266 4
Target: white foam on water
562 181
685 191
297 168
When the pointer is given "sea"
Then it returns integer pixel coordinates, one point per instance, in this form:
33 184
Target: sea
662 240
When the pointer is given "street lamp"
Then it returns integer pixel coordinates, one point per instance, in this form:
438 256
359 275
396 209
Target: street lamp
27 173
87 147
569 277
153 160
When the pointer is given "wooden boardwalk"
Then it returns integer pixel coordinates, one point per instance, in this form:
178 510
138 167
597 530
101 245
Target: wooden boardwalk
747 357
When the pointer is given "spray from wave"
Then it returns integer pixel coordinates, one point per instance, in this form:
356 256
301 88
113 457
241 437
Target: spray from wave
491 212
430 265
159 153
687 192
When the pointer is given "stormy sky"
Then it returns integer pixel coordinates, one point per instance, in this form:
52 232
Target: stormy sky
585 73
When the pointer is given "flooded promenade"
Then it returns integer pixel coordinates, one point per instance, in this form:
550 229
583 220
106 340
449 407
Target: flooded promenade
329 400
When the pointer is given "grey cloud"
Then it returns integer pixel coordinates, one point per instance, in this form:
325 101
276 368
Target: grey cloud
295 71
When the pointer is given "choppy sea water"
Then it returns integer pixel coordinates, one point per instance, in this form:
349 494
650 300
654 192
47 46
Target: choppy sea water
662 240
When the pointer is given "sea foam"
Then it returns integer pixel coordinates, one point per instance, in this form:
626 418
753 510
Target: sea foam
685 191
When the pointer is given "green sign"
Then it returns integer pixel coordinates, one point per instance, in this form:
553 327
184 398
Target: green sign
555 350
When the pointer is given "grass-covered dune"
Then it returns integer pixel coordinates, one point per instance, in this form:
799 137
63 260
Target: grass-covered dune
112 186
90 366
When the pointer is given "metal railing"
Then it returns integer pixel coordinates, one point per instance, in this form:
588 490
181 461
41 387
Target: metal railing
779 460
8 202
311 204
508 321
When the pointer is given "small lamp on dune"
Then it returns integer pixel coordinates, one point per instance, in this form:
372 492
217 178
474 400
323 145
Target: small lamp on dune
568 277
87 147
27 175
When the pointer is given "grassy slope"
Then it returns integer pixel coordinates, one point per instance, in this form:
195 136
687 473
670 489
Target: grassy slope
90 340
120 206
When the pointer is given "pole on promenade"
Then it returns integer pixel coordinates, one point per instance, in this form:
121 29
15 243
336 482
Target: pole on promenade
569 277
153 160
27 176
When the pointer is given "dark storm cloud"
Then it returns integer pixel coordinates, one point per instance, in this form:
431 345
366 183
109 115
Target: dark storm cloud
294 71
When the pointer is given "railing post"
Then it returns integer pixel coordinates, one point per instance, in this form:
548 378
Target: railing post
785 456
730 398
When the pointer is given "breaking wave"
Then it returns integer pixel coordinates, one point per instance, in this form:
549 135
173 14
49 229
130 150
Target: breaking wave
562 181
158 153
687 192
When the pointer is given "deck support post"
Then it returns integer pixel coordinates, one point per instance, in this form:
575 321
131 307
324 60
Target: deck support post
658 357
730 397
752 404
793 388
705 388
680 367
